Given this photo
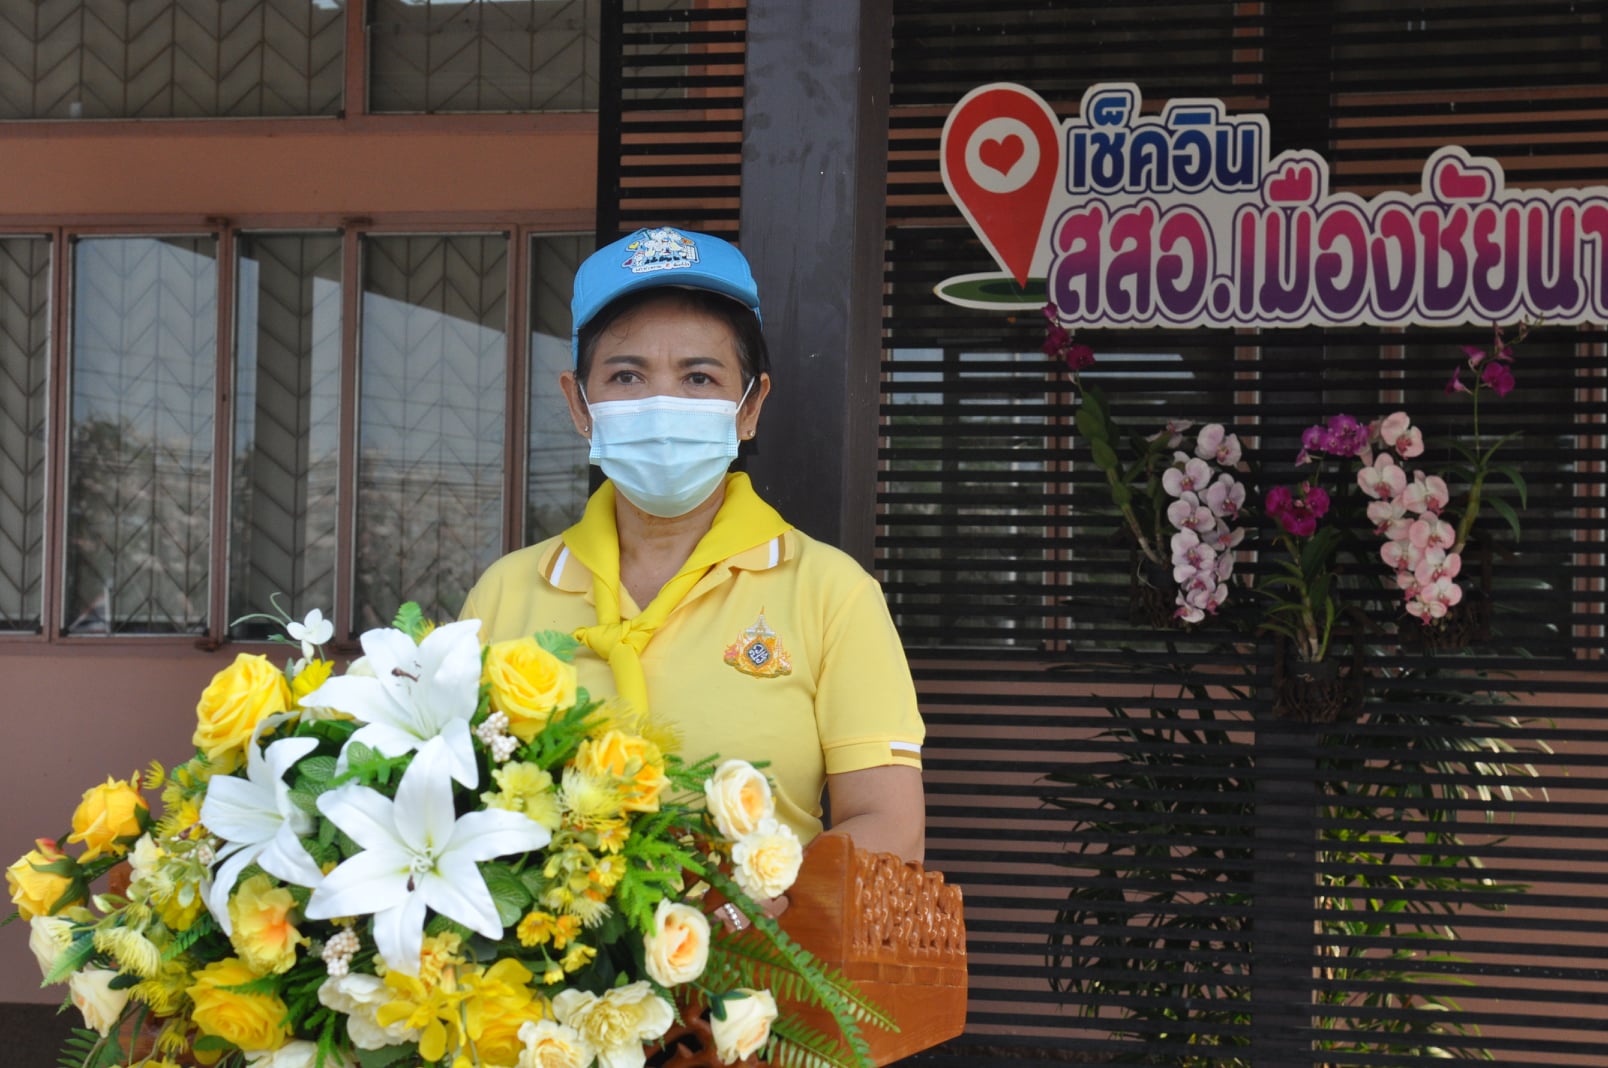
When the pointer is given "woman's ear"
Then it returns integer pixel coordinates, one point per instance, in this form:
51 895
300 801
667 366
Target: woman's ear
579 413
748 414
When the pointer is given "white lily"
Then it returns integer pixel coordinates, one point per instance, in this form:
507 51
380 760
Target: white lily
313 631
416 693
417 855
258 822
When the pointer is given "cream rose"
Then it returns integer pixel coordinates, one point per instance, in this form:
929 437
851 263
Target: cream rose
746 1026
767 860
91 991
297 1053
738 797
358 997
678 948
549 1044
617 1024
48 937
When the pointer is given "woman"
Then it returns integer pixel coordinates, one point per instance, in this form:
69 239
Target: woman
690 595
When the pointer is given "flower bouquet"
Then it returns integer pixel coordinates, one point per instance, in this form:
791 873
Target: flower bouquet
1179 509
449 855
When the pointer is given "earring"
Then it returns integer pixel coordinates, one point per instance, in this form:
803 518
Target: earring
587 429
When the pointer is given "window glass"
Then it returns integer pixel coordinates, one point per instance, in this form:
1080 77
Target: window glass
556 485
287 426
24 356
432 395
106 59
139 475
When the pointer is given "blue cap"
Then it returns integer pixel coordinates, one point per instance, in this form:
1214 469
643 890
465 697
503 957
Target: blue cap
661 256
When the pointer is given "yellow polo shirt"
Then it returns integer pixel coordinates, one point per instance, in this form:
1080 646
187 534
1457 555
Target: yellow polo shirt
783 653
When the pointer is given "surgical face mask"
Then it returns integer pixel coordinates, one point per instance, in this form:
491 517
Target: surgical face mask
665 454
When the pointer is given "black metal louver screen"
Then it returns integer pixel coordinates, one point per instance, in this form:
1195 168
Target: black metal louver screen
671 116
1158 870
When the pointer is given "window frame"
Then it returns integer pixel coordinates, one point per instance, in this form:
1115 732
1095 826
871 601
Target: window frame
519 234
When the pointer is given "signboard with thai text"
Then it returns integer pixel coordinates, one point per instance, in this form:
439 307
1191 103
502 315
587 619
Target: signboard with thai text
1122 218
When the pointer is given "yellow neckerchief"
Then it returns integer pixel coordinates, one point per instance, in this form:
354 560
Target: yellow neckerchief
743 522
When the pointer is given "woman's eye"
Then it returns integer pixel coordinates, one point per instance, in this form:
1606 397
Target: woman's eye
625 377
698 378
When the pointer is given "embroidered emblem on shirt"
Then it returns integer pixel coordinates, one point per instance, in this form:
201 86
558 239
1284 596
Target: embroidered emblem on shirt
759 652
663 249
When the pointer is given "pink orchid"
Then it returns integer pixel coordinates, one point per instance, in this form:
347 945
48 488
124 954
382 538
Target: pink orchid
1428 493
1192 477
1498 378
1393 426
1187 513
1456 383
1437 564
1385 479
1432 532
1382 513
1225 497
1410 444
1174 432
1213 443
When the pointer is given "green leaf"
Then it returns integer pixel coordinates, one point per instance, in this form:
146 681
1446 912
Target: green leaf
507 891
74 957
410 621
1505 510
1091 425
1120 494
1514 476
1103 454
558 643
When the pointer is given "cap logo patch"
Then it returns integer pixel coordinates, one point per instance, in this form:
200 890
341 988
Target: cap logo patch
758 652
663 249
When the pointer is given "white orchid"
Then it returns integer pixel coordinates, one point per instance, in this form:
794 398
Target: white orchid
313 631
258 822
416 855
417 692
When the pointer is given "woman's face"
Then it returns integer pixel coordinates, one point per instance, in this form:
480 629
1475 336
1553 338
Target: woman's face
665 347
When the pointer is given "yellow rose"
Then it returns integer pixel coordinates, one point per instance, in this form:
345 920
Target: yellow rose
264 935
767 861
238 698
527 683
549 1044
746 1026
500 1002
678 948
738 797
635 764
109 817
39 893
90 989
250 1021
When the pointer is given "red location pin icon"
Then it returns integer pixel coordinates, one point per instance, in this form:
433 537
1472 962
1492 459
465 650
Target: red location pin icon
1000 154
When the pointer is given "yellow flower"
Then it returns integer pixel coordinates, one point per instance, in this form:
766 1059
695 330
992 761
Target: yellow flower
166 990
313 675
250 1021
636 764
527 788
238 698
612 834
438 954
527 683
578 957
35 892
432 1011
499 1002
179 909
265 934
539 928
589 799
110 817
133 952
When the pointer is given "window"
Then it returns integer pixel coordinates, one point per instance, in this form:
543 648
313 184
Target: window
163 59
326 418
24 357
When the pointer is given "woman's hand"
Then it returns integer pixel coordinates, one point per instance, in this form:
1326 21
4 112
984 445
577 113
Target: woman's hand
882 809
